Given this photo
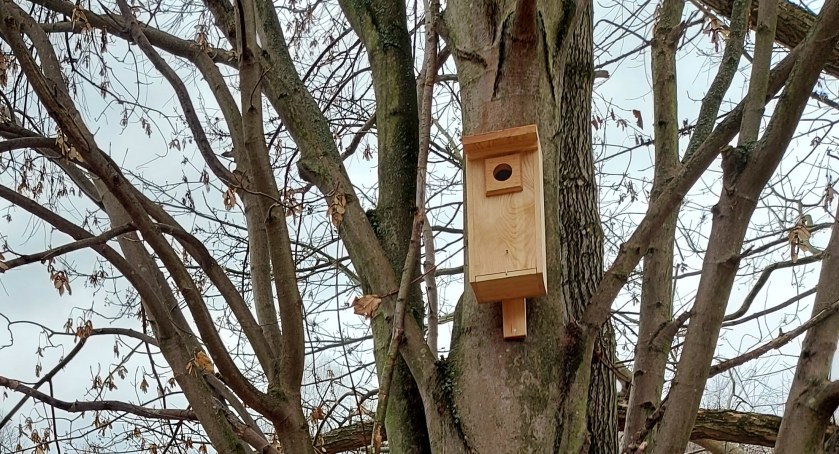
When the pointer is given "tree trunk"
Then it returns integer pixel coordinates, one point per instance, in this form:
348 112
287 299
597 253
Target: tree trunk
382 27
653 347
523 63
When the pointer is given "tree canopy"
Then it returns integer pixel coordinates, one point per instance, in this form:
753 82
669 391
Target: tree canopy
257 208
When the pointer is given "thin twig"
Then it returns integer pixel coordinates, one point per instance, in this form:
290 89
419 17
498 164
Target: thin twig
776 343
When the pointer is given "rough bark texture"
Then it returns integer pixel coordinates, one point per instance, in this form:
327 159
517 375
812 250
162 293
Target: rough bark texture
540 386
580 238
653 347
745 173
382 27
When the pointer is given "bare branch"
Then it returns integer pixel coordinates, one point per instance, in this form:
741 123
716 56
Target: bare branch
104 405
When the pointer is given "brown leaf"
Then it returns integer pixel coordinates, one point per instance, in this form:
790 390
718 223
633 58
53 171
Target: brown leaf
229 199
366 305
337 208
638 119
61 283
829 195
84 331
317 413
200 361
799 238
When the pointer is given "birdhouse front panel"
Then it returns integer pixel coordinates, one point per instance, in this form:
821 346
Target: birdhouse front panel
505 214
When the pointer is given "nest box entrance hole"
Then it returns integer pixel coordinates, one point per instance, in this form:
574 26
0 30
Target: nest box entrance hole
502 174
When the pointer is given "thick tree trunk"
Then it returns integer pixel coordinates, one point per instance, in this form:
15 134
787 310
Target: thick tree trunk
521 63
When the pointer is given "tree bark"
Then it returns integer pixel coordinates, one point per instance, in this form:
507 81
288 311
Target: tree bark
511 52
745 173
382 27
653 348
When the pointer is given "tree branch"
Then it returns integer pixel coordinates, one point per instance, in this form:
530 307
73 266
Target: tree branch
102 238
793 23
776 343
104 405
26 142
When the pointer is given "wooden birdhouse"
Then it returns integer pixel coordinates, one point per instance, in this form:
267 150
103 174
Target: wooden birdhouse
506 221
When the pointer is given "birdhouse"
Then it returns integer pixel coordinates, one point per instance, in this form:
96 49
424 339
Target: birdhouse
506 221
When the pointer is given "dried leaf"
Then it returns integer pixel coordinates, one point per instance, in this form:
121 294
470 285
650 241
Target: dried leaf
229 199
317 413
61 282
84 331
638 119
366 305
144 385
66 148
337 208
829 195
799 239
200 361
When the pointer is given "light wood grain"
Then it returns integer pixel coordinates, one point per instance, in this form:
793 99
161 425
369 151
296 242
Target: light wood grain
511 184
495 143
514 314
506 231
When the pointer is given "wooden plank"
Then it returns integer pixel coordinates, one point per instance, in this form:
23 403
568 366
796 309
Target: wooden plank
514 316
495 143
502 174
520 284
